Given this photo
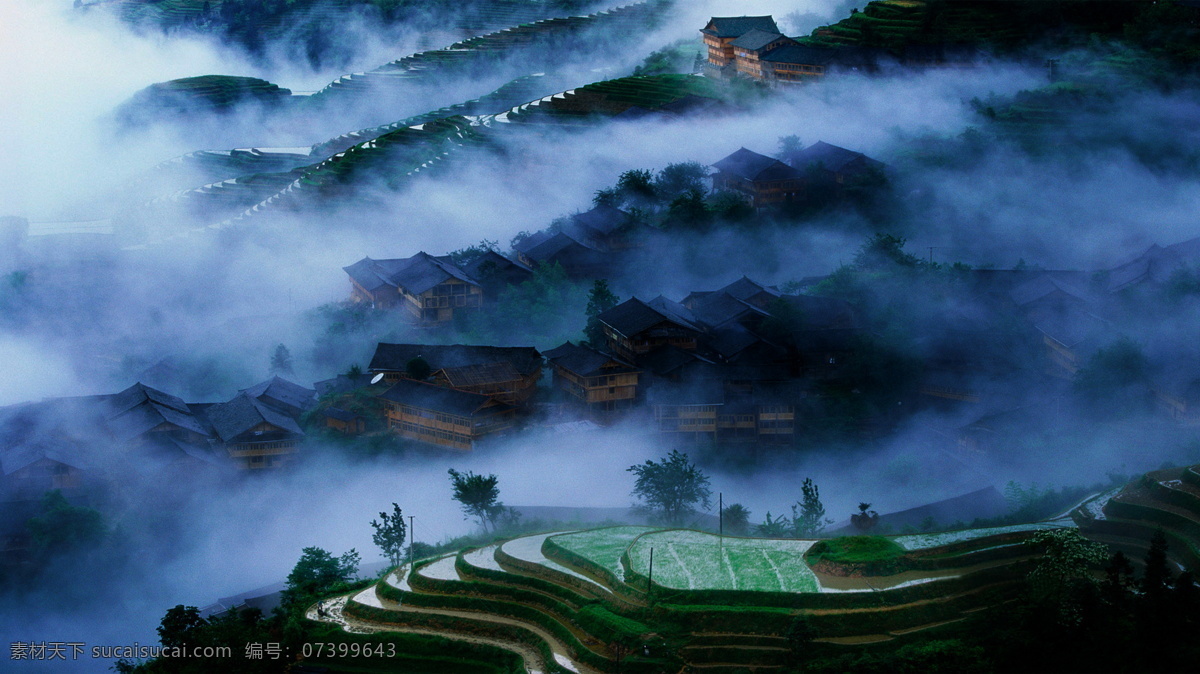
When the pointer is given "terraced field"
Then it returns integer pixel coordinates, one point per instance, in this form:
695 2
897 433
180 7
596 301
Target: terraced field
577 601
483 51
1163 499
691 560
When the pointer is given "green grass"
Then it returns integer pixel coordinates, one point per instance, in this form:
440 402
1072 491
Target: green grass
692 560
856 550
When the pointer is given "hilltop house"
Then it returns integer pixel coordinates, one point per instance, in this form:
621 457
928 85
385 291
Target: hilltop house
762 180
720 33
494 273
633 327
578 258
254 434
429 289
832 164
508 373
601 381
442 416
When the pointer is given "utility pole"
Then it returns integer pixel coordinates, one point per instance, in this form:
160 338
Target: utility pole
412 538
1052 68
721 517
650 584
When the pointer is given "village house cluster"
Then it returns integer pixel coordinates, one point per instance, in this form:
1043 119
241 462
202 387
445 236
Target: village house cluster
753 47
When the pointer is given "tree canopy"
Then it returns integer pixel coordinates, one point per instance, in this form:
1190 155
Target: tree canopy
672 487
479 496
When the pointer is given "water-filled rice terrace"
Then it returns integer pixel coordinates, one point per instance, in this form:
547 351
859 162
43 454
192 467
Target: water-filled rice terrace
580 601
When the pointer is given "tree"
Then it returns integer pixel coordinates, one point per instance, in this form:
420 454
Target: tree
354 372
737 519
808 514
772 527
179 626
479 496
689 211
316 573
789 145
884 252
1066 566
671 487
390 533
865 519
281 361
678 179
600 299
63 529
467 255
418 368
636 186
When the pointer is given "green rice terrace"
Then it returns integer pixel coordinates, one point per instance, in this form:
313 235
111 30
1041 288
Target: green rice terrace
1126 518
593 601
892 24
393 154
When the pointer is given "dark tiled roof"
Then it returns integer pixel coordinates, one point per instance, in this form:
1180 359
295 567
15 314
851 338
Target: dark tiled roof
284 391
395 357
720 308
1038 288
554 246
801 55
1155 265
830 157
734 26
730 341
586 362
664 394
675 311
667 359
498 263
341 384
479 375
753 166
533 240
61 430
438 399
756 39
633 316
602 219
340 414
415 274
744 289
139 409
140 393
231 419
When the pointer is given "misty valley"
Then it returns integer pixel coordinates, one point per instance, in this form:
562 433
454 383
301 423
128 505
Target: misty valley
549 336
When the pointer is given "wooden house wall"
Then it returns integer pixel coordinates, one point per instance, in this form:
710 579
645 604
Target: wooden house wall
249 452
441 428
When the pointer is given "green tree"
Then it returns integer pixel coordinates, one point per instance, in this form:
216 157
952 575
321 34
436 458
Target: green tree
1064 569
316 573
772 527
689 211
884 252
479 497
678 179
418 368
180 626
1113 383
636 186
808 514
737 519
64 529
467 255
281 361
789 145
671 487
390 533
600 300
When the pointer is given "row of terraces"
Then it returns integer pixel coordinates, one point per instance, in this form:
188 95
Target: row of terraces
398 154
642 599
513 93
474 18
609 98
895 23
1126 519
481 51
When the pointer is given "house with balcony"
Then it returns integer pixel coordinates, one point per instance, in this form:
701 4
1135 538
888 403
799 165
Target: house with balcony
428 289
